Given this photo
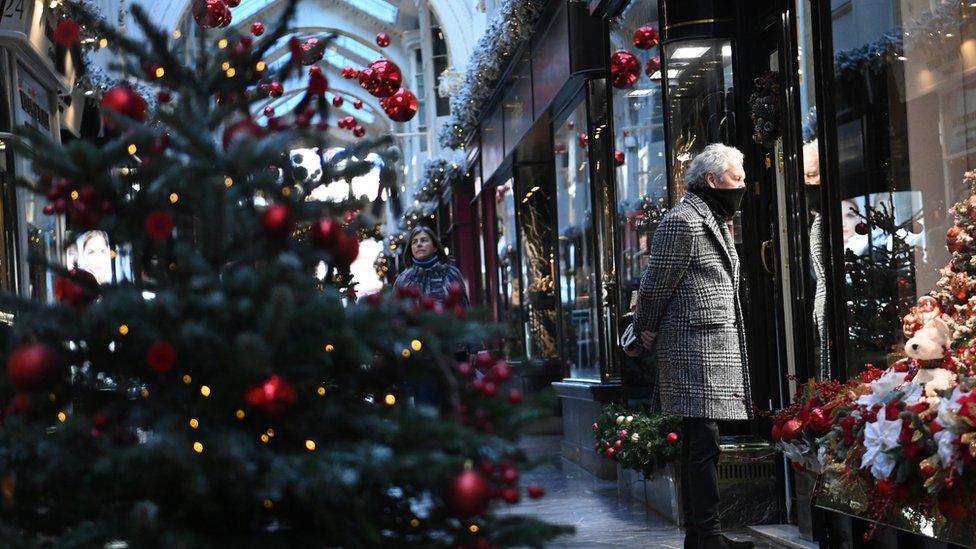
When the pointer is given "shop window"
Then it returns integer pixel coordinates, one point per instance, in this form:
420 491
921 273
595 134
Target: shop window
904 93
577 258
509 282
641 172
535 217
440 61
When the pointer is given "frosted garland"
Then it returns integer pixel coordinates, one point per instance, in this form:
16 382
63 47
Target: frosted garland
506 32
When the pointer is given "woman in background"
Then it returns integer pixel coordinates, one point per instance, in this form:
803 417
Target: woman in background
428 270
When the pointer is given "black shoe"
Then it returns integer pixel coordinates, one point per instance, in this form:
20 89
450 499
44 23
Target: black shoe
691 539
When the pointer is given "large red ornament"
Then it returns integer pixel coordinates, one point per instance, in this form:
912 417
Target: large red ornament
653 66
241 130
126 102
382 39
66 33
257 28
159 225
73 294
211 14
33 367
161 356
646 37
791 430
277 220
401 106
273 397
382 78
624 69
469 494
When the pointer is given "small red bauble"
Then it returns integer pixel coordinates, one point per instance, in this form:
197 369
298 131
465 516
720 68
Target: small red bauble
595 426
326 232
211 14
489 388
619 158
646 37
624 69
161 357
610 452
33 367
515 396
862 228
510 495
257 28
583 139
673 438
791 430
66 33
469 494
276 89
159 225
125 101
653 65
357 104
510 475
501 371
464 369
346 250
164 96
242 130
269 111
401 106
359 131
349 73
273 397
277 220
337 101
483 359
73 294
382 39
382 78
535 491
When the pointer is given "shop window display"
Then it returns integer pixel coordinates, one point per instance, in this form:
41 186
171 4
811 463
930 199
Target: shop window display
904 102
535 219
509 283
577 257
638 124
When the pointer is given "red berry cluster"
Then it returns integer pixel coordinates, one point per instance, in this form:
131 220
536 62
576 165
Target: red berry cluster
503 479
85 206
427 303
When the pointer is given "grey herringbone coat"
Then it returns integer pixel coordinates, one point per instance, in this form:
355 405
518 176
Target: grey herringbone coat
689 295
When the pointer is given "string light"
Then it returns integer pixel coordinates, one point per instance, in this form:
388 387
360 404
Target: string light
222 43
198 447
231 72
416 345
187 379
205 390
414 523
390 399
52 397
62 417
239 414
228 182
194 423
265 438
174 198
160 72
132 148
268 504
261 66
329 348
473 528
103 43
405 353
270 432
123 329
310 445
225 65
177 34
144 392
74 195
320 391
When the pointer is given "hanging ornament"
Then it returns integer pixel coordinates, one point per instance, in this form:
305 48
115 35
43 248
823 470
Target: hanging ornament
956 239
583 139
535 491
652 67
164 96
347 123
618 158
71 293
257 28
211 14
346 249
273 397
861 228
276 89
159 225
469 494
673 438
401 106
277 220
337 101
66 33
349 73
161 357
241 130
318 84
646 37
357 104
269 111
359 131
311 51
125 101
382 39
33 367
382 78
624 69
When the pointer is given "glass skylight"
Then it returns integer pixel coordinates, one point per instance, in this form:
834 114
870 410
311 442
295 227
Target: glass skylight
380 9
248 8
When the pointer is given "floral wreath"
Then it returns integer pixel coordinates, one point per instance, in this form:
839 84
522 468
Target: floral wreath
766 110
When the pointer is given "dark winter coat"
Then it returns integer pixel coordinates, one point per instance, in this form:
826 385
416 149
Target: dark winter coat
434 281
689 295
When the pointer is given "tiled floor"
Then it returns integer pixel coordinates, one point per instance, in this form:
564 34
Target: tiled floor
602 519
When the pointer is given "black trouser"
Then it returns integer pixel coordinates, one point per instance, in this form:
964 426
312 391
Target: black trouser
699 475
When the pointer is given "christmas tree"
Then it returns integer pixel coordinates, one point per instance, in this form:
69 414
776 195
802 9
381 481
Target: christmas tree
225 395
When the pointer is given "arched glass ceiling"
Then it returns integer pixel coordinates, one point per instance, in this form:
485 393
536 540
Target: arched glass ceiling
380 9
248 8
287 103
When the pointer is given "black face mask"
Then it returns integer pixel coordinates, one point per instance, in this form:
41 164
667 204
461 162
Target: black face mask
723 202
813 196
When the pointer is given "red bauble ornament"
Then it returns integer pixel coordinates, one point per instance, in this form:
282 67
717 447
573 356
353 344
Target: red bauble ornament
483 359
357 104
469 494
359 131
73 294
646 37
619 158
777 432
346 250
464 369
820 421
595 426
337 101
159 225
501 372
276 89
401 106
125 101
510 495
535 491
257 28
164 96
318 84
161 357
673 438
33 367
382 39
610 452
66 33
241 130
277 220
382 78
653 65
311 52
326 233
624 69
861 228
583 139
211 14
232 3
269 111
349 73
791 430
515 396
347 122
273 397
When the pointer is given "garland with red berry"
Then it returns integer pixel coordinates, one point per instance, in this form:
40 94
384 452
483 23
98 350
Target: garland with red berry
636 438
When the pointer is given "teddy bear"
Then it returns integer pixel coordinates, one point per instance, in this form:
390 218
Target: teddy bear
930 342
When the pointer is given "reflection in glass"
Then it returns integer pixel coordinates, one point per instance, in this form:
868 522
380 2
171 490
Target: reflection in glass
538 277
577 261
510 301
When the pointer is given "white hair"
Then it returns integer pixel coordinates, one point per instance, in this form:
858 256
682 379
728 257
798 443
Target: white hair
714 159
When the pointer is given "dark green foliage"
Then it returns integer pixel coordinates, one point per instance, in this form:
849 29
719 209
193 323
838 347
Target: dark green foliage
651 450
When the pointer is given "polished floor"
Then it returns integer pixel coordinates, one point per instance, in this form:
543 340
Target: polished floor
602 519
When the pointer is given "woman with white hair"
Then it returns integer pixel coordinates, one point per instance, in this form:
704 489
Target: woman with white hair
689 309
